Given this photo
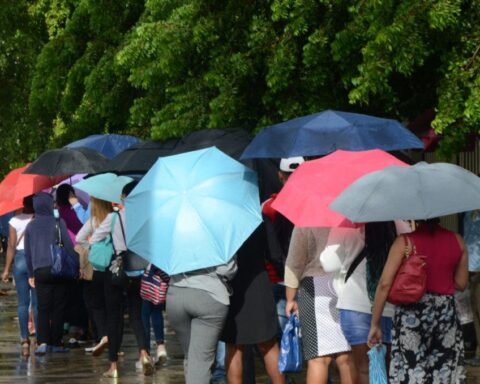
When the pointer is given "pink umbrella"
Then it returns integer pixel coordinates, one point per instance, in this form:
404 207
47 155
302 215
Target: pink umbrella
315 184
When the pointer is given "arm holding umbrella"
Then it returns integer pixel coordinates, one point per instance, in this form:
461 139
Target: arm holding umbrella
103 230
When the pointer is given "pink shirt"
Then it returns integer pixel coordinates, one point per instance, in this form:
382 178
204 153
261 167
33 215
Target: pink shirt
443 254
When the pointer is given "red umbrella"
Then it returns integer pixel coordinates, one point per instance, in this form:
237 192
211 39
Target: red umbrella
17 185
315 184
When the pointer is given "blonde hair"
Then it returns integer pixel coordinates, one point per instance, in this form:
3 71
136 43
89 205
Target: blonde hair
99 209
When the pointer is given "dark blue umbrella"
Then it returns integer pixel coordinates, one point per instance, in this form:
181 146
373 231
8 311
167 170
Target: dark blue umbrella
323 133
109 145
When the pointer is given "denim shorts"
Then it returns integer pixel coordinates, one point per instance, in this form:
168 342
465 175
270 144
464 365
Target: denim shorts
356 326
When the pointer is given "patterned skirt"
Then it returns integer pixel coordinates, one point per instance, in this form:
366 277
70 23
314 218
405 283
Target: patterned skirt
319 318
427 343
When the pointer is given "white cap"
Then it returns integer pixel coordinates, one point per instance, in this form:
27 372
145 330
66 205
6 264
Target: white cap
291 163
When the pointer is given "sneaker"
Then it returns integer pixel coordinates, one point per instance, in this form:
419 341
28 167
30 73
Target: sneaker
89 349
41 349
59 349
73 343
161 354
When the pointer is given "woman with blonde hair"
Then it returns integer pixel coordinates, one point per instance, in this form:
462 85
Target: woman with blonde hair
93 293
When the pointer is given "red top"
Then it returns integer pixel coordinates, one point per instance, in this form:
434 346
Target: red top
443 252
271 213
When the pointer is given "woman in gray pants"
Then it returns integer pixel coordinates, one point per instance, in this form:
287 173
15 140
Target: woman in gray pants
197 306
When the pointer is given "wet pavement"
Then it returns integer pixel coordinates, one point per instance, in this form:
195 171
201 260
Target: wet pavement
77 367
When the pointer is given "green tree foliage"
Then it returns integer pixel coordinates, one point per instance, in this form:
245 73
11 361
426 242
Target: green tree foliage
162 68
21 37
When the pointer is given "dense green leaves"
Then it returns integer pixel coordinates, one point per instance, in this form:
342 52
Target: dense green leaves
162 68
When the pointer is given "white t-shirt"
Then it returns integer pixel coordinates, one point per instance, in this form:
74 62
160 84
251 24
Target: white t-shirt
19 223
343 246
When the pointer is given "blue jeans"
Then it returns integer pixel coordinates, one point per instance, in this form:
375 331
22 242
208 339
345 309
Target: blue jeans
25 293
218 371
153 312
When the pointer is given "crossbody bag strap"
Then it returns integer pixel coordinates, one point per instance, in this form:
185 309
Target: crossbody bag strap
356 262
123 229
20 238
112 228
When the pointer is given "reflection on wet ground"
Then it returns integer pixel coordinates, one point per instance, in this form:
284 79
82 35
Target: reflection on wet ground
77 367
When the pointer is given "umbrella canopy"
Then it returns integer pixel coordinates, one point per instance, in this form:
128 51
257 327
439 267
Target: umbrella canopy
17 185
325 132
106 186
109 145
420 192
67 161
139 158
315 184
233 142
192 211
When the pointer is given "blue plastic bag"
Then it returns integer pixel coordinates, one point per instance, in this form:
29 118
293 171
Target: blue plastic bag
376 366
291 358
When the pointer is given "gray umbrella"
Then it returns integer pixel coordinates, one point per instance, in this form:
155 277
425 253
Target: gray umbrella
419 192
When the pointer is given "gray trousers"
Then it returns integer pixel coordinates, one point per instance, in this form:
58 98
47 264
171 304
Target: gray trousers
198 321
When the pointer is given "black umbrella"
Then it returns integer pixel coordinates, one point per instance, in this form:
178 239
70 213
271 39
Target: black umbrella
139 158
233 142
67 161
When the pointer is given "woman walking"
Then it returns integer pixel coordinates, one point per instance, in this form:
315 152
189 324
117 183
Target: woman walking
114 294
252 317
427 344
93 292
197 306
357 257
40 234
26 295
323 339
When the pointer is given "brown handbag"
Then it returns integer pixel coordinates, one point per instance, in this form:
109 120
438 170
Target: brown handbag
410 283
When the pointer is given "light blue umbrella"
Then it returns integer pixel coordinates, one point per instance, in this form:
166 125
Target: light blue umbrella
192 210
106 186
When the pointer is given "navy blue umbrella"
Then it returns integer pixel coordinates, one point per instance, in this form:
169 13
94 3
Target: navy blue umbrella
323 133
109 145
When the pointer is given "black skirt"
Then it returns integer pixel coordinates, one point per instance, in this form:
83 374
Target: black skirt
252 316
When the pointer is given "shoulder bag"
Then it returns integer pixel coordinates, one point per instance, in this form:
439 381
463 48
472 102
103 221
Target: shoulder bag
410 283
65 262
154 285
101 252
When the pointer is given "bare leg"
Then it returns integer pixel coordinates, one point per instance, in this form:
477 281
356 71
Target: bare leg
345 367
360 358
270 351
233 363
317 371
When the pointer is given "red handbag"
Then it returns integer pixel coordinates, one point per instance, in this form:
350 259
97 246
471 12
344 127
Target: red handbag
410 283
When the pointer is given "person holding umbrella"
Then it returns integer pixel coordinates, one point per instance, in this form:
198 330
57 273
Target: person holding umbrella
16 256
114 294
40 234
427 343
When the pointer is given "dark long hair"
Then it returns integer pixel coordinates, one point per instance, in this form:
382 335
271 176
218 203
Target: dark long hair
379 237
431 224
63 194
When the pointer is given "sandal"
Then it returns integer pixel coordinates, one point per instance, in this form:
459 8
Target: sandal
25 343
